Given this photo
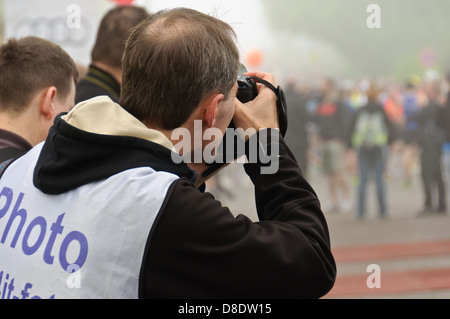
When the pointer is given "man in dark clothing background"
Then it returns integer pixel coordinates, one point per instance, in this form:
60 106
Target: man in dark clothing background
104 75
297 134
332 118
444 124
431 139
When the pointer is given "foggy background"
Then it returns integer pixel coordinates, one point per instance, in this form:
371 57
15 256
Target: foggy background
291 38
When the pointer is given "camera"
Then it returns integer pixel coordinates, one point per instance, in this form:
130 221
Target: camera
247 91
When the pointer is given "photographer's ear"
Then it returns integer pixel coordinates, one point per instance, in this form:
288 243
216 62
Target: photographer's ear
210 110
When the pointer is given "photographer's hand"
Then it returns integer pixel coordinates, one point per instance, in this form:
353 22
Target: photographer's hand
260 113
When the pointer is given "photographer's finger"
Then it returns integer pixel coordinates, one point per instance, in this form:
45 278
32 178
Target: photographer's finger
259 114
242 117
262 75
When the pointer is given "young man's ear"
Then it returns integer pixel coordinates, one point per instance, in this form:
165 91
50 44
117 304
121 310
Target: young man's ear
210 109
48 97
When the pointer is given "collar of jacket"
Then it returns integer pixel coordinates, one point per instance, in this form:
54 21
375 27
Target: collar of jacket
96 140
104 80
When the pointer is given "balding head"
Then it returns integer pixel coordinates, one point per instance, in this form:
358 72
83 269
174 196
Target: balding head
172 62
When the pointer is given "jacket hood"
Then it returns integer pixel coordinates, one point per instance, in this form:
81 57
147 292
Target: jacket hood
96 140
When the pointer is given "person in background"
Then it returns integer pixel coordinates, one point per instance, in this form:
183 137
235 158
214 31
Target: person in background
332 119
444 123
370 135
431 139
392 100
104 75
411 106
37 82
297 133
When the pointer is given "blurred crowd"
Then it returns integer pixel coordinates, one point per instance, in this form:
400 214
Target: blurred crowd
353 131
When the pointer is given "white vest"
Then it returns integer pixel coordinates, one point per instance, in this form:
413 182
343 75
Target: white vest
86 243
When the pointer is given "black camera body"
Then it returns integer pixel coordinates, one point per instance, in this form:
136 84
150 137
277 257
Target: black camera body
247 89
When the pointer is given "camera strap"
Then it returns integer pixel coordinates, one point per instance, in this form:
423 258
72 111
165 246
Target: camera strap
281 103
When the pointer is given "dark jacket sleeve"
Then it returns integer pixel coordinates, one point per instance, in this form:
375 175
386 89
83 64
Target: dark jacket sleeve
198 249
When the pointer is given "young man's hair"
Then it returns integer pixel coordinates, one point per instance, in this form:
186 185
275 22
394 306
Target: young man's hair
113 32
31 64
172 62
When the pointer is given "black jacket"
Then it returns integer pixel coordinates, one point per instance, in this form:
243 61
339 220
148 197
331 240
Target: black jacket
97 82
443 118
333 119
432 135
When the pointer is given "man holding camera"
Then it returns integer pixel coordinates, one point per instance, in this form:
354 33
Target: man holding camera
115 210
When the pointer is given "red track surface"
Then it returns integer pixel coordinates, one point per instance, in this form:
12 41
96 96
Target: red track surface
392 282
381 252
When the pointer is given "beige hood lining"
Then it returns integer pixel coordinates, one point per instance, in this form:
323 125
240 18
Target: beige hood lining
100 115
